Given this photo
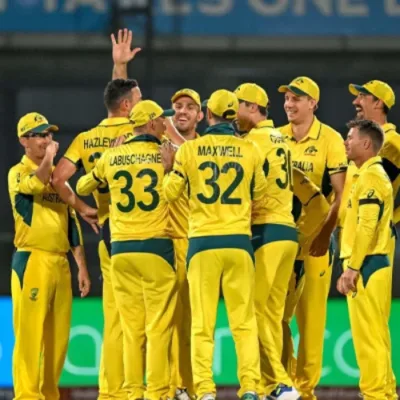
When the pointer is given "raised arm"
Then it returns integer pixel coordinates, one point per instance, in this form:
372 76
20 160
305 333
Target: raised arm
122 53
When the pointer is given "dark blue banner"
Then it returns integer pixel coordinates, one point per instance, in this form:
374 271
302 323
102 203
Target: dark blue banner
212 17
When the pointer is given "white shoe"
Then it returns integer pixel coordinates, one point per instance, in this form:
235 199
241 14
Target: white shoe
182 394
283 392
208 396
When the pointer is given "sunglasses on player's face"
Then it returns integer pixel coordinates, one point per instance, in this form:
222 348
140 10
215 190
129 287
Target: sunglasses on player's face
37 134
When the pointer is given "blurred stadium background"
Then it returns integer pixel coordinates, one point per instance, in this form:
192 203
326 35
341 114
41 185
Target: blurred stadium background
55 58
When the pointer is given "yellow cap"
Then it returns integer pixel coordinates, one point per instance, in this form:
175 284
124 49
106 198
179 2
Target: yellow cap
223 103
252 93
187 92
34 122
146 111
379 89
302 86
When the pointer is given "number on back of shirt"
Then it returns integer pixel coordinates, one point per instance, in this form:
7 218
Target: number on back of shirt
129 200
227 196
286 166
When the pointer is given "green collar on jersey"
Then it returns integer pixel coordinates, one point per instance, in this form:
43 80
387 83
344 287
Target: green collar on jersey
145 137
220 129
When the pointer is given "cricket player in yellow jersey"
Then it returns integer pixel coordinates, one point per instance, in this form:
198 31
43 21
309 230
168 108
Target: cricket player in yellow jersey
224 174
142 272
274 237
374 101
187 106
365 250
119 97
319 152
310 209
45 230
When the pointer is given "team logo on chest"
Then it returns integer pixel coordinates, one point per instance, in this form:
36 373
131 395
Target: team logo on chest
310 151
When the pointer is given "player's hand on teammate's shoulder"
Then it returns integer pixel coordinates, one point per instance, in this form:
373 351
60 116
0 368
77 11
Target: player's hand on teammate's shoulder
84 281
118 141
121 47
167 151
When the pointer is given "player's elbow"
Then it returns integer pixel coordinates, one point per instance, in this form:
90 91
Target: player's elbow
57 180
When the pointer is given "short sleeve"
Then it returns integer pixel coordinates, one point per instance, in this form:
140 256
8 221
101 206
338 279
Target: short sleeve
73 152
336 154
25 181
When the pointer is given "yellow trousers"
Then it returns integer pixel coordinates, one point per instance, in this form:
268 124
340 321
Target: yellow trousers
144 283
275 248
391 386
310 310
296 285
311 319
111 373
181 367
226 261
42 301
369 325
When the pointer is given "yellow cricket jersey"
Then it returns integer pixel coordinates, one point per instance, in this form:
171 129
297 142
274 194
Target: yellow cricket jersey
367 224
319 155
310 207
223 174
390 154
134 174
276 205
88 147
179 214
42 220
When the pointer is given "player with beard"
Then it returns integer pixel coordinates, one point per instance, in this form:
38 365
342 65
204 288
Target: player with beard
120 96
373 102
187 106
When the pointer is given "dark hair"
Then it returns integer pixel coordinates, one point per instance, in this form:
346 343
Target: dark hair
221 119
371 129
385 107
116 90
262 110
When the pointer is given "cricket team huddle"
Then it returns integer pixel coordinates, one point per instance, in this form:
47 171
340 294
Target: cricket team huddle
244 209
